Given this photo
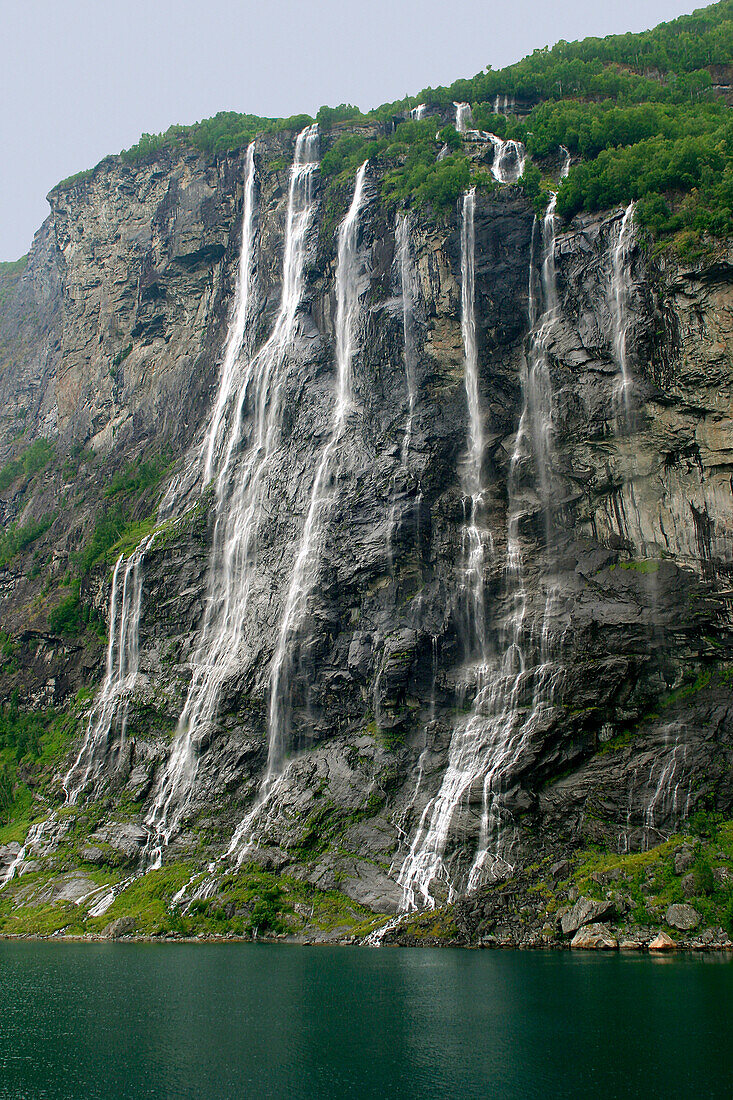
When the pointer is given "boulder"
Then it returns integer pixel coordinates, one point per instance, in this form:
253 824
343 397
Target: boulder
594 937
123 926
688 885
683 917
8 855
586 911
662 942
630 945
560 870
684 859
92 854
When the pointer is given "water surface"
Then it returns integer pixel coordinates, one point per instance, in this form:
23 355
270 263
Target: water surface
118 1021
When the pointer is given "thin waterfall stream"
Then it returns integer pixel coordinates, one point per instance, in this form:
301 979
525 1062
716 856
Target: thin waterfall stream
620 293
125 607
305 570
514 690
239 488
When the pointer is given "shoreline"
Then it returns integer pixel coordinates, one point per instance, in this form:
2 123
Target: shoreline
685 947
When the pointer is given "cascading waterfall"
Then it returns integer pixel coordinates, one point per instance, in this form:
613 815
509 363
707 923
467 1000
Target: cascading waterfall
619 310
125 607
305 570
509 159
418 113
112 704
229 378
463 117
514 692
476 538
409 291
33 837
238 502
503 105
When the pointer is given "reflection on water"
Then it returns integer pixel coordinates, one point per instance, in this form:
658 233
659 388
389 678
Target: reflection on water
146 1020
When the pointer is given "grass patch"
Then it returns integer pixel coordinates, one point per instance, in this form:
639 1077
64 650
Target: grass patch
34 459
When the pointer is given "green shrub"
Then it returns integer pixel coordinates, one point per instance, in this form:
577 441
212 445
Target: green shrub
34 459
703 877
19 537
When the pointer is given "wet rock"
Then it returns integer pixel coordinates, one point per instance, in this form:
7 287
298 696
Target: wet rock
124 837
586 911
8 855
72 887
682 917
595 937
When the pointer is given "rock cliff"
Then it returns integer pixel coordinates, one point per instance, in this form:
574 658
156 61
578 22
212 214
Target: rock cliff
617 500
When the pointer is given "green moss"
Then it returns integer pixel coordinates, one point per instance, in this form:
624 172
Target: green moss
645 565
32 745
649 878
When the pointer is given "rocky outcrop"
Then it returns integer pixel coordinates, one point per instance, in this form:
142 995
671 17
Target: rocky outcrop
132 280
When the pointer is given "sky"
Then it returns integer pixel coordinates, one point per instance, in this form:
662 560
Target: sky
83 78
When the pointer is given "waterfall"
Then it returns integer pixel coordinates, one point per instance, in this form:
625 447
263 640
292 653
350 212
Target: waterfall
620 283
509 157
475 536
514 691
112 703
240 481
503 105
125 606
409 288
228 377
565 170
305 569
463 116
418 113
34 835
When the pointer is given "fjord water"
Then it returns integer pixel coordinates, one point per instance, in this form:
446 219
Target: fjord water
136 1021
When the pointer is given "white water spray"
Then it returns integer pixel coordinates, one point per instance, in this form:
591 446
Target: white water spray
123 659
33 838
514 692
305 570
620 294
229 375
509 159
240 483
463 117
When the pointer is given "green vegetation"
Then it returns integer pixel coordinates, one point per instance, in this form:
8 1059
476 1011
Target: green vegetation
19 536
13 267
138 476
116 530
30 742
34 459
649 881
72 616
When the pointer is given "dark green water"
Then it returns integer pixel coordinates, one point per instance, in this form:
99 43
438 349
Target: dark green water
141 1020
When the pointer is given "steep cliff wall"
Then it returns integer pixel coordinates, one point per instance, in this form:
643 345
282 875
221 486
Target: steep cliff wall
621 517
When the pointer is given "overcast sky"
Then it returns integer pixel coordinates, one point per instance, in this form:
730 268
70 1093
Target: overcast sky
83 78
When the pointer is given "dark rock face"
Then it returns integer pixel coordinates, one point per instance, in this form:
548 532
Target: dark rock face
132 278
